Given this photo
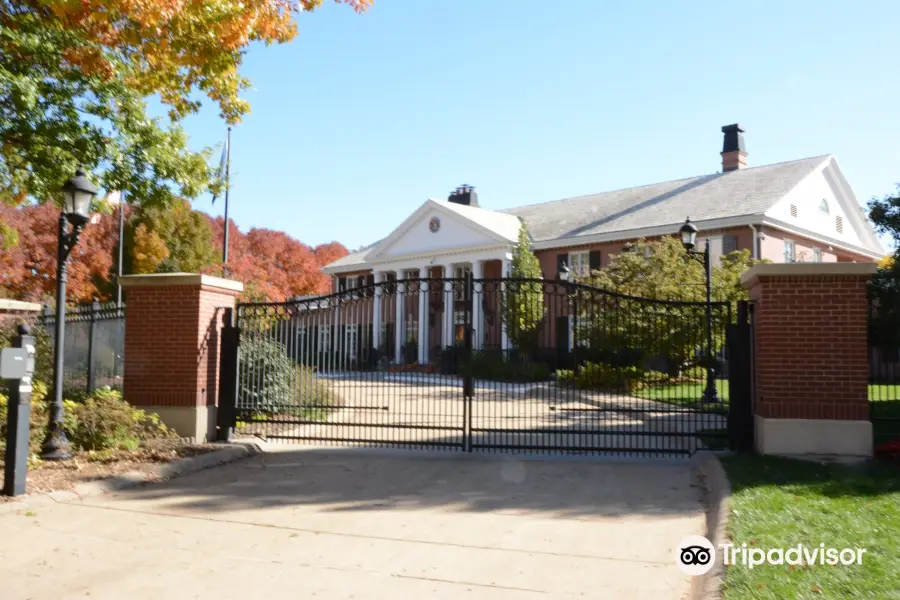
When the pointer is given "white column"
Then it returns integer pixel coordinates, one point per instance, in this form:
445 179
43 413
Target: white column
447 332
423 315
398 319
505 269
477 311
376 311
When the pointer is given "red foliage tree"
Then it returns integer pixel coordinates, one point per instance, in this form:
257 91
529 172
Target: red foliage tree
33 256
273 265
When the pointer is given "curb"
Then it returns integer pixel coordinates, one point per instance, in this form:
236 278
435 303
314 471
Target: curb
228 453
710 476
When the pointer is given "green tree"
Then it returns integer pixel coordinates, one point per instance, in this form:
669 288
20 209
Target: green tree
884 287
74 77
625 330
170 239
523 303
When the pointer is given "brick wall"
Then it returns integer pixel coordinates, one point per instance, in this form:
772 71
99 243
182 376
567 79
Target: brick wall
810 333
172 344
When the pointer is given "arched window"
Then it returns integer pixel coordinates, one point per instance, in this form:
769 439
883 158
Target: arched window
823 207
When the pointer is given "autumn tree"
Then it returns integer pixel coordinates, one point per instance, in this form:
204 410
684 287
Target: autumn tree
74 77
29 265
169 239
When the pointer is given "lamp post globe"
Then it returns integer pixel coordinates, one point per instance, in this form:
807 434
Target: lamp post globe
564 272
78 192
688 233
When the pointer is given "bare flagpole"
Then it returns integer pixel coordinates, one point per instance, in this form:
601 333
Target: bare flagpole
227 185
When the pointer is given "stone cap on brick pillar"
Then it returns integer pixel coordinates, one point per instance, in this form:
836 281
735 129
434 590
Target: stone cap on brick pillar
753 274
178 279
17 306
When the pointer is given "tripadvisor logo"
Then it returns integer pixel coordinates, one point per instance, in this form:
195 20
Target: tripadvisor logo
696 555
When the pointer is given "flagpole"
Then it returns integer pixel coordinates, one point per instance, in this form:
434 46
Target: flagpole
121 244
227 185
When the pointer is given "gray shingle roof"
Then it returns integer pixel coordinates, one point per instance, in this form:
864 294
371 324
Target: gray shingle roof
720 195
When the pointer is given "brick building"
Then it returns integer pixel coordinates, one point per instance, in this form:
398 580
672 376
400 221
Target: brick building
797 211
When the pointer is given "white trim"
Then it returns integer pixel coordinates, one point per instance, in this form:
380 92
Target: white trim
411 220
658 230
782 269
784 227
18 306
175 279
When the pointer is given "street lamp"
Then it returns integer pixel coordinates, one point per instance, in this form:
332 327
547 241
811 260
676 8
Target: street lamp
78 192
688 233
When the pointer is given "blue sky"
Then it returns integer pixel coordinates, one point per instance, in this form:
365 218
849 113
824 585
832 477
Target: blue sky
362 117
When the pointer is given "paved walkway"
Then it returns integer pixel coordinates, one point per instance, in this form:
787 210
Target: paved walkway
332 523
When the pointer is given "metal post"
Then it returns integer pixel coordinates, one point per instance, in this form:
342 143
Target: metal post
710 395
56 445
18 420
92 345
575 367
121 246
227 185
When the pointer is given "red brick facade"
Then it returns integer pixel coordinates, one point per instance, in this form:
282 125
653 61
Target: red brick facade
172 343
811 332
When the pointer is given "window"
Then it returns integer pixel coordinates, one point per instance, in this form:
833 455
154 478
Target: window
817 255
823 207
839 224
460 287
579 264
324 339
350 341
729 243
790 251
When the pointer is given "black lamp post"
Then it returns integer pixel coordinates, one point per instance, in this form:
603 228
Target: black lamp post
564 276
78 193
688 233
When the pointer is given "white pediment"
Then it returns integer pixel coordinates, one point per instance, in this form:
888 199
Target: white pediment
434 231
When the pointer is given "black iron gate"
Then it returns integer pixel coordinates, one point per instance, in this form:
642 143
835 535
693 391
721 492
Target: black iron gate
496 365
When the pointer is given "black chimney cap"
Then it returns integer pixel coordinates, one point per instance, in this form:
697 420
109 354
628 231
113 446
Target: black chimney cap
734 138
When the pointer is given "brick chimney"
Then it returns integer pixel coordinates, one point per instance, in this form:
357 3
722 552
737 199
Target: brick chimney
464 194
734 154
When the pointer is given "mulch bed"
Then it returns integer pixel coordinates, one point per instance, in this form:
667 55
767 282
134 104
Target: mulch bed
49 476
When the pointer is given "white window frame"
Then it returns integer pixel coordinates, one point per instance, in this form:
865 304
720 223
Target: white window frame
460 272
350 345
817 255
793 253
579 264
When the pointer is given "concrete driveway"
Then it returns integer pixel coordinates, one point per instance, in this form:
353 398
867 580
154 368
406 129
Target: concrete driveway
332 523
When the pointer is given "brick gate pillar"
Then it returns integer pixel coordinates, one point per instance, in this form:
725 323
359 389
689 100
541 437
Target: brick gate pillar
811 358
172 346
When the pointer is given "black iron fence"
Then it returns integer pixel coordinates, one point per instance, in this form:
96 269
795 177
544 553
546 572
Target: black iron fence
884 377
501 365
94 345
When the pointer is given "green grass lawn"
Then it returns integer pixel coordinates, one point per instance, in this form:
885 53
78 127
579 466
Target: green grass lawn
781 503
682 393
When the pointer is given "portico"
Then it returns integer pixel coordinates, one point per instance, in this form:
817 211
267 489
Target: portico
436 250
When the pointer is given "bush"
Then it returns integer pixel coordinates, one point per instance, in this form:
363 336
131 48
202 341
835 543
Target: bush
565 376
602 376
103 421
656 378
271 382
696 373
107 422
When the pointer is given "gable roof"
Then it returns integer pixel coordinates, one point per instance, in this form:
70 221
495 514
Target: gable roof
737 193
